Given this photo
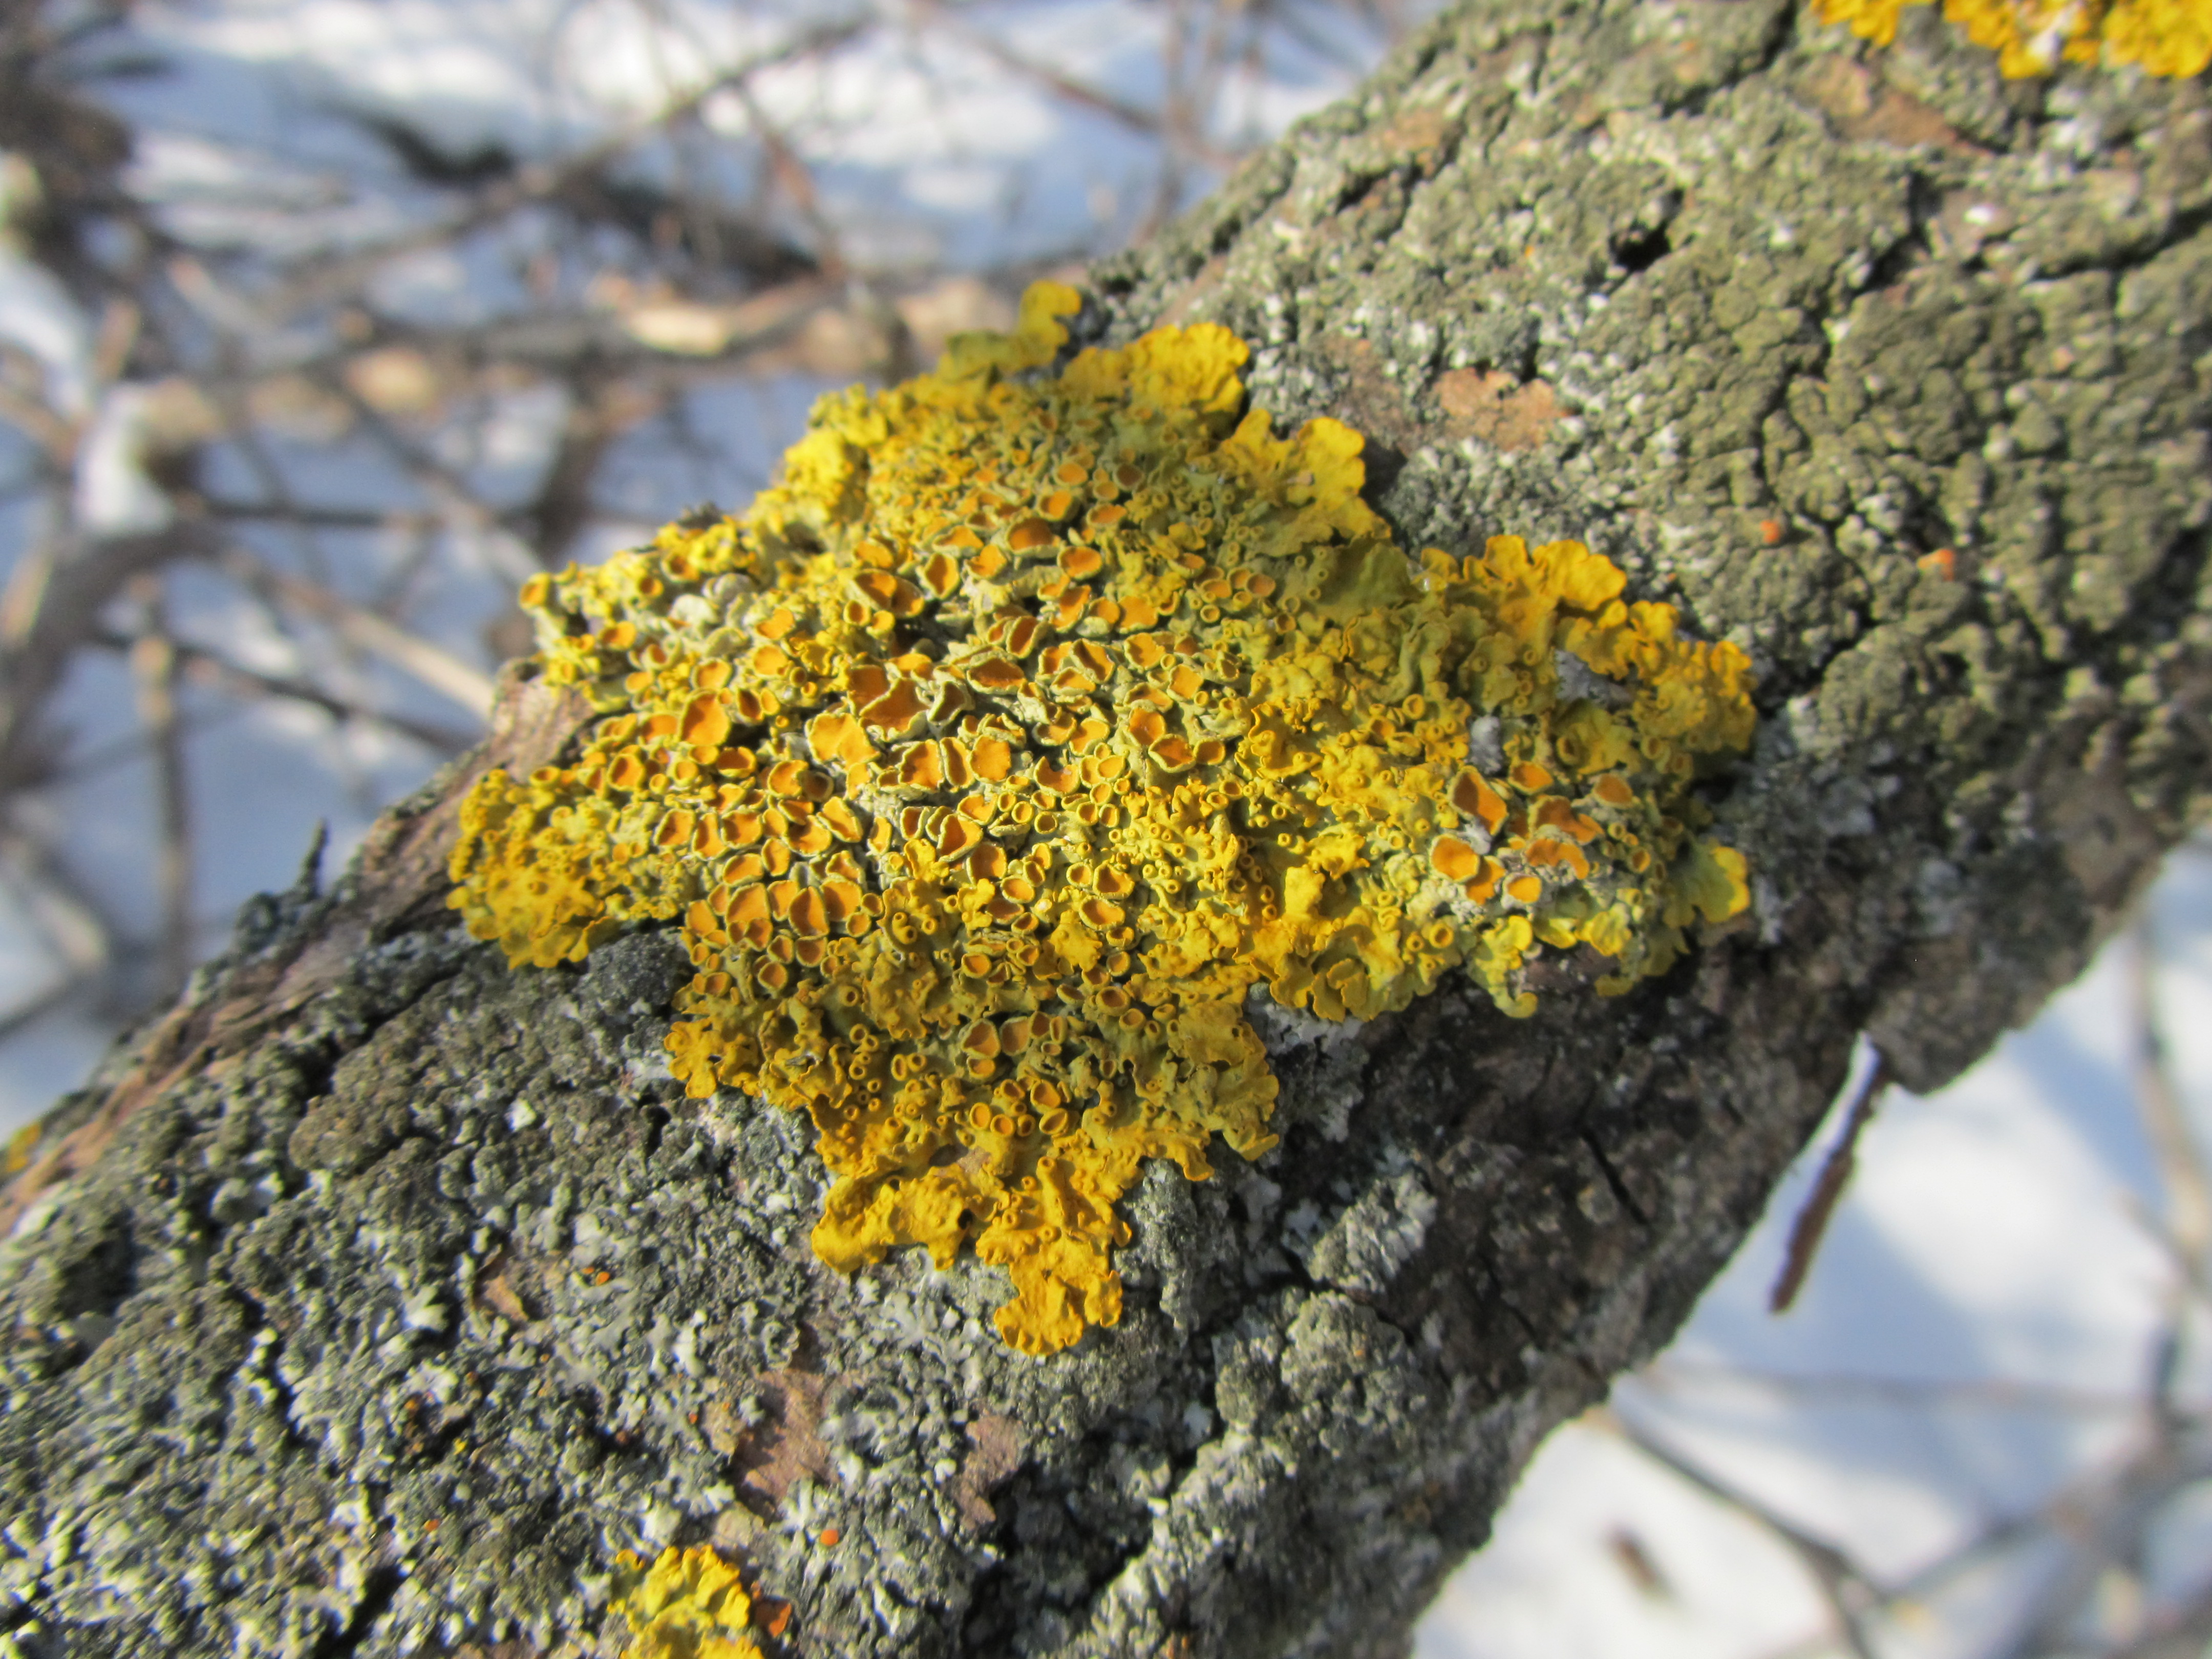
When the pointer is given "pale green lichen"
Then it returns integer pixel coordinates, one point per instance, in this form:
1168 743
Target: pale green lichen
994 756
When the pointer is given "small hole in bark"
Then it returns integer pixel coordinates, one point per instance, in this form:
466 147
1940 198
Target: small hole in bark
1642 250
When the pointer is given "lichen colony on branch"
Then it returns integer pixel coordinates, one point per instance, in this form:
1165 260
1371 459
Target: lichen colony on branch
1031 722
686 1604
2169 38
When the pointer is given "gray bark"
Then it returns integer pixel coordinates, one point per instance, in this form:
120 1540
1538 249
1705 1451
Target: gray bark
369 1301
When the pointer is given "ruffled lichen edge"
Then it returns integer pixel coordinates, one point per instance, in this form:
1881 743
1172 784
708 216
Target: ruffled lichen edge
2165 38
1034 721
684 1604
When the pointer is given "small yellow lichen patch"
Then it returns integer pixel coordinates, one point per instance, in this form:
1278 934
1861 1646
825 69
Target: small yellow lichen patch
1870 20
689 1604
17 1157
1031 722
2030 37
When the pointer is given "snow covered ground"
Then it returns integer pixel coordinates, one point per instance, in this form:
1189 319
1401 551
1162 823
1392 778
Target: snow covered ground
1899 1465
1959 1405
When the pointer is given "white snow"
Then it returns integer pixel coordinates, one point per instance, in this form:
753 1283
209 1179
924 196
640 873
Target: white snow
1976 1338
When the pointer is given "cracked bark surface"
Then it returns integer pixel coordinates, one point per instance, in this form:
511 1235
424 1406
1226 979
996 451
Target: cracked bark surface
369 1301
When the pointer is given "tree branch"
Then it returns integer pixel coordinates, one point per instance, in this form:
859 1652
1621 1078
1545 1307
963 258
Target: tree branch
376 1295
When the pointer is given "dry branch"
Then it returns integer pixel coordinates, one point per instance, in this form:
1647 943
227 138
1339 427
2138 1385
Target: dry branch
413 1284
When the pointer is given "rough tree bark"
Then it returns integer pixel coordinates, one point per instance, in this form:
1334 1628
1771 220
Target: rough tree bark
372 1298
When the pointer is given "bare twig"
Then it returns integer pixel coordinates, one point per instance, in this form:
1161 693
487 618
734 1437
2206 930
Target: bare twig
541 182
796 179
203 667
119 323
83 580
69 920
239 429
1670 1375
36 1006
508 553
1846 1586
321 516
432 665
1146 123
25 592
53 435
1812 1223
153 666
2103 1521
2181 1164
597 411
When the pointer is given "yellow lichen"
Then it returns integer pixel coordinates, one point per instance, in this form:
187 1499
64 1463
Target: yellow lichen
2165 37
17 1155
689 1604
993 756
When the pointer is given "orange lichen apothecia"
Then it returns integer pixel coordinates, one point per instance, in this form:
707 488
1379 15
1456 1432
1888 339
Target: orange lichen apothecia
995 755
2167 37
689 1604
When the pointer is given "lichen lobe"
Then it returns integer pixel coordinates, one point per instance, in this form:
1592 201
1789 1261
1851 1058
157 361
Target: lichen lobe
684 1604
993 755
2165 37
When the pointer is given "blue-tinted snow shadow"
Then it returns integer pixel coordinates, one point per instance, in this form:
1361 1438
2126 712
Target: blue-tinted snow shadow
1869 1309
1869 1313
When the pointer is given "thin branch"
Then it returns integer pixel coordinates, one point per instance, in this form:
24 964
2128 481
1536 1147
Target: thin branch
2071 1513
798 182
432 665
66 917
25 592
83 580
232 511
562 505
232 402
204 667
152 659
1669 1375
56 437
540 182
1844 1584
1146 123
2181 1165
37 1007
2103 1521
513 558
120 322
1812 1223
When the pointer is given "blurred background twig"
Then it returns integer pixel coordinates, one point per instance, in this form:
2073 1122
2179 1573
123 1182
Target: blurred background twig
1987 1432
